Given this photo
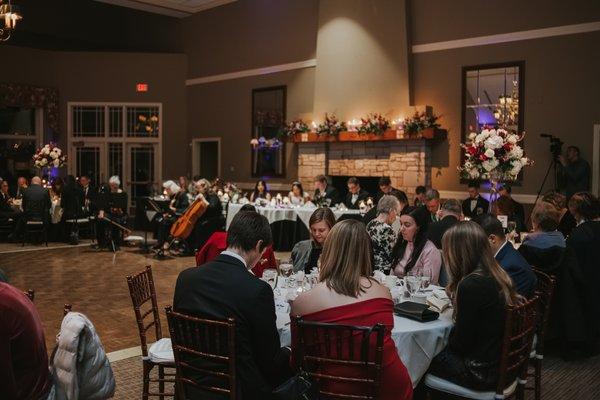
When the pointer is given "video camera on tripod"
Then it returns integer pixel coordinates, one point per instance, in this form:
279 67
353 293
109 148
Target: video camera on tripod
555 145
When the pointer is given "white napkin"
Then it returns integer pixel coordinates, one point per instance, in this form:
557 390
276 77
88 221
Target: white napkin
283 319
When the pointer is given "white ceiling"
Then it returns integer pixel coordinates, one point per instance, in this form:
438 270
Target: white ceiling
173 8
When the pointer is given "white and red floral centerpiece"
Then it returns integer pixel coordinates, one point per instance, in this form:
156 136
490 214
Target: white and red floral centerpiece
494 154
49 156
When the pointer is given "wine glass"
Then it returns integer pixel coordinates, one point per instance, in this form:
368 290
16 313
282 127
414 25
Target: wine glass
270 276
511 228
286 270
425 278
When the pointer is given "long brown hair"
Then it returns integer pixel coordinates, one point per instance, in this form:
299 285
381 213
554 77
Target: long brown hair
466 250
346 257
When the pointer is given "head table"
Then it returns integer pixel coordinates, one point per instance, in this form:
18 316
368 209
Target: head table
275 214
417 343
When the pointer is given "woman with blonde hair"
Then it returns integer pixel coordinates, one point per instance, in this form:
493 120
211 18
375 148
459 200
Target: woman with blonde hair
480 291
347 294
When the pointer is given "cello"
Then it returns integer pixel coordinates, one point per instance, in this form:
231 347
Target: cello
183 227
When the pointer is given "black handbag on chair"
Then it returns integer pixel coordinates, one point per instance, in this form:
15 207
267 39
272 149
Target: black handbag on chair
298 387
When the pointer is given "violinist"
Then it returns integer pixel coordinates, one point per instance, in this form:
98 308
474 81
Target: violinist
112 206
211 221
179 203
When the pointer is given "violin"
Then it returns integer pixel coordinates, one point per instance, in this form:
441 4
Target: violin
183 227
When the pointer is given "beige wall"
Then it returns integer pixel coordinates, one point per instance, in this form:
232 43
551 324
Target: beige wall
224 109
561 75
362 59
110 77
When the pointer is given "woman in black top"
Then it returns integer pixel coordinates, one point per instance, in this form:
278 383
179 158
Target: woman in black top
480 291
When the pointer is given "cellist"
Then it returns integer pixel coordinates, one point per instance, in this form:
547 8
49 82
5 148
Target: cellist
179 203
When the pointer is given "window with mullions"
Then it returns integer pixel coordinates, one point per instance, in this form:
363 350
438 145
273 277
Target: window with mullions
142 122
88 121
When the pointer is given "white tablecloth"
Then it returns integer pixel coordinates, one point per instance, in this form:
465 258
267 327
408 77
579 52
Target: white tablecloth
275 214
417 342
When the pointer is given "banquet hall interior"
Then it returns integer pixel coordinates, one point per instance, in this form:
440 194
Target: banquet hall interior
254 199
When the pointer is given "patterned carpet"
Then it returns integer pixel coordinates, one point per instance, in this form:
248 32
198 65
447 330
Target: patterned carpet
561 380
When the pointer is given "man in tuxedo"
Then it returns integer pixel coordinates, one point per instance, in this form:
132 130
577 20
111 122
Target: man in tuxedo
450 214
6 210
90 193
324 191
474 205
355 194
507 256
385 187
225 288
20 189
420 196
518 210
36 205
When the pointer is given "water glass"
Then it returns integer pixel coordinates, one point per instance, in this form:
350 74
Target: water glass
412 283
425 278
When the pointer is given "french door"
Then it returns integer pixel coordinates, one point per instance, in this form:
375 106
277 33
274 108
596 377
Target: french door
114 139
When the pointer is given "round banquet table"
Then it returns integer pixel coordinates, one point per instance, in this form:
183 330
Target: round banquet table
417 343
289 225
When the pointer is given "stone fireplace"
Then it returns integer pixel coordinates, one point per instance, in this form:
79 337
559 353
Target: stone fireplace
407 162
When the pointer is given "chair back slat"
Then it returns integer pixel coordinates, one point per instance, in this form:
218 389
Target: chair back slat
67 309
519 328
143 294
545 292
204 353
30 293
344 360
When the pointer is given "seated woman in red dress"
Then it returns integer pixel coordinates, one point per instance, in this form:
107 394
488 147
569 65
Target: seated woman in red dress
218 242
346 294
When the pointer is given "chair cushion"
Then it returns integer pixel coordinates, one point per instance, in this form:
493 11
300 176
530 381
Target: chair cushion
445 386
35 223
161 352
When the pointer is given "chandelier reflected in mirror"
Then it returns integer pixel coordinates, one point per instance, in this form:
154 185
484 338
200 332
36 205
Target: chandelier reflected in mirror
9 15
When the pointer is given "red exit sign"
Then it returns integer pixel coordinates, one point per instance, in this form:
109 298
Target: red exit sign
141 87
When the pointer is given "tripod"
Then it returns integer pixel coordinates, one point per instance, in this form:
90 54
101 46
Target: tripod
552 166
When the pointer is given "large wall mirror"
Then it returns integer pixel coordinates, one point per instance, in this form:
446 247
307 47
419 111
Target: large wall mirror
268 117
492 95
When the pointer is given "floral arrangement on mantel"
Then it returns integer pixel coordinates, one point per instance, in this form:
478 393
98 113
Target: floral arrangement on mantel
294 127
374 123
419 122
264 143
494 154
331 126
49 156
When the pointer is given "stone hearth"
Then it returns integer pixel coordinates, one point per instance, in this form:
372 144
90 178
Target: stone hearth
406 162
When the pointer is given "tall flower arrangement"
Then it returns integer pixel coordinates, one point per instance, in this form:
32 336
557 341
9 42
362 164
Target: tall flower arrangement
494 154
49 156
374 123
331 126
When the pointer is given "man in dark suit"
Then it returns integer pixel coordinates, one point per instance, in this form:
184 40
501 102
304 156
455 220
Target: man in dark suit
18 192
325 192
385 187
355 194
90 194
509 259
36 205
6 210
225 288
474 205
450 214
518 210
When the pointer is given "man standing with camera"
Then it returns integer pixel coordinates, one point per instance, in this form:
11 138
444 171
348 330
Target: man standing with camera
575 172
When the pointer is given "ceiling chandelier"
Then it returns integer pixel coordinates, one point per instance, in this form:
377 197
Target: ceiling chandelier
507 113
9 15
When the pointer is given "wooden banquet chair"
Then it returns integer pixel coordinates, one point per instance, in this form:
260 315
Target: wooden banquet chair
30 293
544 292
321 345
141 289
519 328
211 341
